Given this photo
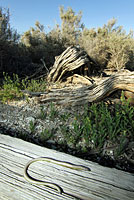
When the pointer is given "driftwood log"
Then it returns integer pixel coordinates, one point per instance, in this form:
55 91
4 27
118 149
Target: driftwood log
72 60
71 84
123 80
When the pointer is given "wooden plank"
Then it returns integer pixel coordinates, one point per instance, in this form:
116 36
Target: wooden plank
100 183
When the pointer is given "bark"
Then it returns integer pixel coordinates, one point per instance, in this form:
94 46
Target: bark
79 95
71 60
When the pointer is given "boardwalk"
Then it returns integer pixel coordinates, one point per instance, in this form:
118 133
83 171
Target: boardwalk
100 183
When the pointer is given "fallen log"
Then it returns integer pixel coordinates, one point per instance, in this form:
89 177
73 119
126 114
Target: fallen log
79 95
71 72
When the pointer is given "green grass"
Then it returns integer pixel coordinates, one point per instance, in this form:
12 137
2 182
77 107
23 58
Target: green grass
53 112
43 114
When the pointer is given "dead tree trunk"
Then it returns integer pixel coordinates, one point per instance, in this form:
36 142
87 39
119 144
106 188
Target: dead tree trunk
69 66
79 96
67 63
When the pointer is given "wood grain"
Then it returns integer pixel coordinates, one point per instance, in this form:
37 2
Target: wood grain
75 96
100 183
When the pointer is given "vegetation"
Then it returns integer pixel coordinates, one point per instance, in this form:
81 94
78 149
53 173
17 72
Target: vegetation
13 54
71 25
41 45
12 87
33 85
99 123
109 46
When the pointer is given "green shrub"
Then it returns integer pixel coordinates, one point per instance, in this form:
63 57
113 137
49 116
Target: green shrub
100 123
32 127
34 85
10 89
71 26
53 112
46 134
41 45
105 124
109 46
14 57
43 114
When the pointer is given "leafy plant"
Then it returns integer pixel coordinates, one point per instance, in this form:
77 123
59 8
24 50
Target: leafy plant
65 116
43 114
121 147
34 85
46 134
11 88
100 123
53 112
72 136
32 126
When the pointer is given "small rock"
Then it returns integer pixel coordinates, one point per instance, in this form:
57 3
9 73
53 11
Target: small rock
29 119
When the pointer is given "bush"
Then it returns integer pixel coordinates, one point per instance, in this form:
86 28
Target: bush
43 46
109 46
12 87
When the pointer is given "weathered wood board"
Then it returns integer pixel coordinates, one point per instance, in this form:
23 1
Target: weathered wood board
100 183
